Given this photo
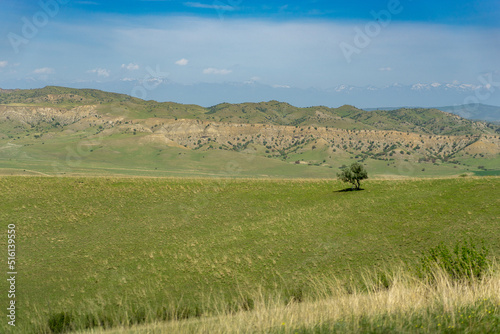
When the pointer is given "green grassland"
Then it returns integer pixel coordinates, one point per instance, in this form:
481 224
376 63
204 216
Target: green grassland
116 227
90 152
108 249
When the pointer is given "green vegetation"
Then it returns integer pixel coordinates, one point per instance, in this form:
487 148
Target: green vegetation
408 305
62 131
416 120
464 262
353 174
107 251
85 153
259 235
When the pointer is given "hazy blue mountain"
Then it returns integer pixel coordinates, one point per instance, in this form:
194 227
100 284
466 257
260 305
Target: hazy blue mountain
478 111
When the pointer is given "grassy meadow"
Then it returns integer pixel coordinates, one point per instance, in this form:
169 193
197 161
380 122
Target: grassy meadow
127 155
108 251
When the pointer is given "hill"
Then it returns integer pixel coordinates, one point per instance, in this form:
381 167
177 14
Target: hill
481 112
418 120
62 130
110 251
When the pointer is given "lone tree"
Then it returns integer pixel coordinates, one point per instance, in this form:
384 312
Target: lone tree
353 174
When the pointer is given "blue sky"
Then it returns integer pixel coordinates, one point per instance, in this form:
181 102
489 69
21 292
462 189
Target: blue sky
297 44
459 12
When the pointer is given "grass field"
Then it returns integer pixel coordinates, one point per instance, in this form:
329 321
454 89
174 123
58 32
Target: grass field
121 250
121 155
405 305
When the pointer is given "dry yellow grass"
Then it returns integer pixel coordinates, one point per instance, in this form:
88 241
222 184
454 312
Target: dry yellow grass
405 297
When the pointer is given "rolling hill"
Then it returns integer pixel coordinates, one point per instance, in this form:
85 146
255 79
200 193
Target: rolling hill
63 130
480 111
475 111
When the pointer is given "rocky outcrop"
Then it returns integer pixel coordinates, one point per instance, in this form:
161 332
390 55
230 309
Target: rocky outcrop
196 134
35 115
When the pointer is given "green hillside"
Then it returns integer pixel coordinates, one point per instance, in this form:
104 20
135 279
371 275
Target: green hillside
422 121
57 131
114 248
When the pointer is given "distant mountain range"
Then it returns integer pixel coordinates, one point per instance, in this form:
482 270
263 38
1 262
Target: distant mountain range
396 95
482 112
475 111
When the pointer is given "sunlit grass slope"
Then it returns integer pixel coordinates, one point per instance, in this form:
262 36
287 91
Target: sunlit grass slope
406 305
89 246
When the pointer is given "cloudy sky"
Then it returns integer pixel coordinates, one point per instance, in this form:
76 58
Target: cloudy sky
318 44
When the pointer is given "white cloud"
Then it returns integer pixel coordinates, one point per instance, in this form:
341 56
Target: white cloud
214 6
385 69
281 86
212 70
248 47
44 70
3 63
102 72
252 80
182 62
131 67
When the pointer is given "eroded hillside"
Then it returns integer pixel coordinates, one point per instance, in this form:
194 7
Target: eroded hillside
318 135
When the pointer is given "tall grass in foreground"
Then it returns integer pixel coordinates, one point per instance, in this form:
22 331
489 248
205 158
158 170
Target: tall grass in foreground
378 302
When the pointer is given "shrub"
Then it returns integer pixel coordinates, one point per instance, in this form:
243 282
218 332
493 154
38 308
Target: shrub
100 319
354 174
247 304
294 295
60 322
383 280
241 304
464 262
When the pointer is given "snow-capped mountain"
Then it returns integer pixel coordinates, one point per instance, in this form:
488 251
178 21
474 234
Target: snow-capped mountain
418 94
448 86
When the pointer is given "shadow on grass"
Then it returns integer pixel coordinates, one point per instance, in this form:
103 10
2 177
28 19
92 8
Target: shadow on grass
348 190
